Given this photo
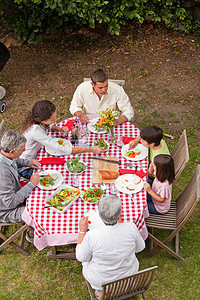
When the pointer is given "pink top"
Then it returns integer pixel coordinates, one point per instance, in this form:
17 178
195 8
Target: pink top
164 190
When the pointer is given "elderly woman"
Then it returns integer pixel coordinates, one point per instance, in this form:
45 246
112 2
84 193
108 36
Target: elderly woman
12 196
108 253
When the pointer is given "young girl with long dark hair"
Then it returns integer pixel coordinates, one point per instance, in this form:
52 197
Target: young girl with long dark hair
39 121
159 195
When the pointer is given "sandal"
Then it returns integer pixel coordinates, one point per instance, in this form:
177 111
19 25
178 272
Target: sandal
30 235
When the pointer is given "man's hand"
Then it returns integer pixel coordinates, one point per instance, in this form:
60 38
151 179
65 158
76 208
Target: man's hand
151 169
83 118
147 187
64 130
35 179
35 164
83 224
97 149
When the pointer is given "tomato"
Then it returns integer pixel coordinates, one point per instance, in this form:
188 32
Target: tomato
83 197
95 190
89 200
44 183
99 195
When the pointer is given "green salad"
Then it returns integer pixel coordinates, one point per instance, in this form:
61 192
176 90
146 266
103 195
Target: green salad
75 166
101 143
92 195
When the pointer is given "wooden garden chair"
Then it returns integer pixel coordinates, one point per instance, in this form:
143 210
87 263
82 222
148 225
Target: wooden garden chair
119 82
9 241
22 230
180 154
179 213
126 287
3 128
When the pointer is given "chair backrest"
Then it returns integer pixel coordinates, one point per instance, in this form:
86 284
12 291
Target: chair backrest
3 128
119 82
128 286
187 201
180 154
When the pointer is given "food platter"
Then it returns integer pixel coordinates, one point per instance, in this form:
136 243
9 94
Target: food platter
129 184
63 142
141 151
57 182
92 129
92 195
68 200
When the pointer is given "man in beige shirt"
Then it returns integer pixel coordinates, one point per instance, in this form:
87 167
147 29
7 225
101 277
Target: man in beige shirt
97 95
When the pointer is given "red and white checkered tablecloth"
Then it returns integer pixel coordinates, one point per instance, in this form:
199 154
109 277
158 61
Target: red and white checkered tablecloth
53 228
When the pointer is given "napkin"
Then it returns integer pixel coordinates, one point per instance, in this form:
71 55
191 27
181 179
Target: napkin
52 161
69 124
23 183
129 171
126 139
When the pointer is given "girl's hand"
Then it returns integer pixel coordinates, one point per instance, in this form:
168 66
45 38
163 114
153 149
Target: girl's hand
147 187
64 130
83 224
97 149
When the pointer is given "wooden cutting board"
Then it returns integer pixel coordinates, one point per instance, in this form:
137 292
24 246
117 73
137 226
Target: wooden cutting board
103 165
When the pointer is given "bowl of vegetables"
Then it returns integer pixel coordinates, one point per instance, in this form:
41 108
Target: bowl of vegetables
102 143
92 195
75 165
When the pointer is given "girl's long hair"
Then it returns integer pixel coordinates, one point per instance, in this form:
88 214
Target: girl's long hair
164 168
41 111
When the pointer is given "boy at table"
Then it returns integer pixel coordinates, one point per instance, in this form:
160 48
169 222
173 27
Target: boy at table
12 196
151 137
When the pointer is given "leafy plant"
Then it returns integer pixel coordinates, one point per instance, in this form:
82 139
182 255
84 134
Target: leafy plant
28 18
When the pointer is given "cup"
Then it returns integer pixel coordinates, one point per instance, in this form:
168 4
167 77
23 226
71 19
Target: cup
75 180
113 190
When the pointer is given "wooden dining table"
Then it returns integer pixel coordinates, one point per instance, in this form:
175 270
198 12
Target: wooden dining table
52 228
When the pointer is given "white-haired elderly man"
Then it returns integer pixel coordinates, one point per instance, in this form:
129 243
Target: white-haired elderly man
12 196
108 253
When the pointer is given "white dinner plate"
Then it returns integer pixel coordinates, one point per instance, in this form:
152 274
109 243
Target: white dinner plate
143 152
123 181
57 182
52 152
92 129
65 204
94 220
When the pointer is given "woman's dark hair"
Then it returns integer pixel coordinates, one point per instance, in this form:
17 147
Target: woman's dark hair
152 134
99 76
41 111
164 167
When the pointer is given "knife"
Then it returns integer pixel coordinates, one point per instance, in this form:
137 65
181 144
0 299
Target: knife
108 160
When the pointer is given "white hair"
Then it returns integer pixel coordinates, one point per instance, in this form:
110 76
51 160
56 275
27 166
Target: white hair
12 140
110 209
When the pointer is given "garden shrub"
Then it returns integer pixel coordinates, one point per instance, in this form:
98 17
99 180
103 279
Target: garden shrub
28 18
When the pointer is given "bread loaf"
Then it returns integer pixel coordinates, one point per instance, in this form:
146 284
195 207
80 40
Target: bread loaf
107 174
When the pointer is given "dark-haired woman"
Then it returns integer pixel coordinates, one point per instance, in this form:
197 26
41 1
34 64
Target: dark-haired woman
36 126
159 196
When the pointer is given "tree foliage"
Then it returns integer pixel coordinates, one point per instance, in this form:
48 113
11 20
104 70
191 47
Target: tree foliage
27 18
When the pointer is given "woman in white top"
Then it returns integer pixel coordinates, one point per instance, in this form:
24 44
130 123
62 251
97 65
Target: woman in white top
36 126
108 253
